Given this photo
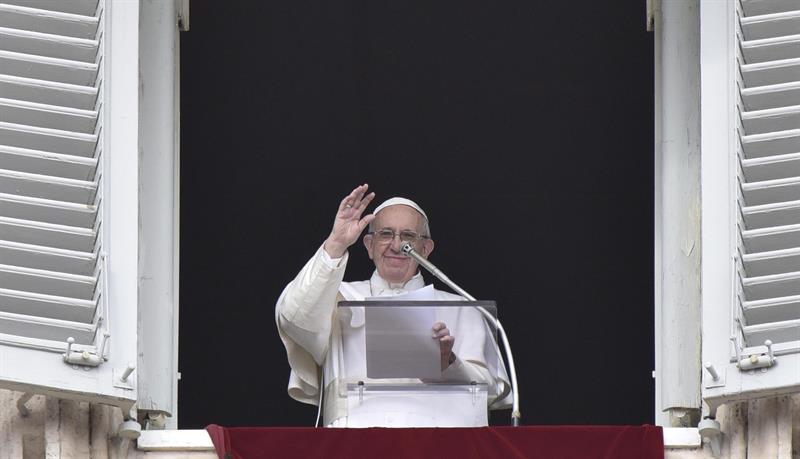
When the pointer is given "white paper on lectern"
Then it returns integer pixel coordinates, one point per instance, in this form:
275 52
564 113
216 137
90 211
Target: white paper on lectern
399 340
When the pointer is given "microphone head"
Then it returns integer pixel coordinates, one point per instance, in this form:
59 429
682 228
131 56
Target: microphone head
407 249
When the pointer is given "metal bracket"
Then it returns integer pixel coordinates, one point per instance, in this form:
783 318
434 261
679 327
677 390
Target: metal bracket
715 379
121 377
24 411
756 361
85 358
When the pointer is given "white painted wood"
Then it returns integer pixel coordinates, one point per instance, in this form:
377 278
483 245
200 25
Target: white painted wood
48 92
678 226
48 21
157 367
48 45
68 211
175 440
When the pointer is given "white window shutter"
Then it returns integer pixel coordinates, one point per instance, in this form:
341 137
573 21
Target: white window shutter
750 60
68 197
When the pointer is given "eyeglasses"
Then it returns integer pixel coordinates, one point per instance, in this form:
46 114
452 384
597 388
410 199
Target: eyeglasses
386 236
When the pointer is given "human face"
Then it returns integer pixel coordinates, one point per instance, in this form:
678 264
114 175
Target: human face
391 263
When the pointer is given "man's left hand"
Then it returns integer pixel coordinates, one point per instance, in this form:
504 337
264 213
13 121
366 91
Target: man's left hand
446 342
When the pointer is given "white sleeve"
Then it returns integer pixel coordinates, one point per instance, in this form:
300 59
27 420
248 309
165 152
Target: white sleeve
303 314
305 309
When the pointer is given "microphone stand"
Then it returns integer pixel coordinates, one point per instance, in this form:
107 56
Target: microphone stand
409 251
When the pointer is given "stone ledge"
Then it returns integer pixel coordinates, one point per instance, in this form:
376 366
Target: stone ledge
682 437
175 440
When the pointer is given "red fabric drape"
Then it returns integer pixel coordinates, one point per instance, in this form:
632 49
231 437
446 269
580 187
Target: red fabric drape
537 442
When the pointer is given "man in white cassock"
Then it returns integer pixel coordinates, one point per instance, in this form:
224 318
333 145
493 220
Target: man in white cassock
325 349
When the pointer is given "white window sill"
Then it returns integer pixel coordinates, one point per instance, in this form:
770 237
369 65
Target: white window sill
175 440
682 437
198 440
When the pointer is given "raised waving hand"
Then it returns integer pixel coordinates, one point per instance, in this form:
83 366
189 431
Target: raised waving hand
348 224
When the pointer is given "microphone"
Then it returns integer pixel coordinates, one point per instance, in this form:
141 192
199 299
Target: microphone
409 251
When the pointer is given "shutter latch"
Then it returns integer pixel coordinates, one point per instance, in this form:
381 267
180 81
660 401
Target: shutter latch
85 358
755 361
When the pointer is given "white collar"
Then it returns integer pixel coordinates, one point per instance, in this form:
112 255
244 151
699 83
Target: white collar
380 287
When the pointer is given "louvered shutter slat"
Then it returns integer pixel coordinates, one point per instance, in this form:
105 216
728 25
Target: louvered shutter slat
47 211
47 21
45 328
772 309
771 96
46 163
769 26
50 86
49 258
770 191
771 49
773 238
771 72
47 68
769 120
75 7
773 167
43 305
40 233
769 198
771 215
49 45
762 7
47 139
48 116
48 92
771 143
47 282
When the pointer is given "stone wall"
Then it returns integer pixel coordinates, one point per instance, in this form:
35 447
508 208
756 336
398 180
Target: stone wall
53 428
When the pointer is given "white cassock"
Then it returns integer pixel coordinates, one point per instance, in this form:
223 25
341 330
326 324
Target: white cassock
310 327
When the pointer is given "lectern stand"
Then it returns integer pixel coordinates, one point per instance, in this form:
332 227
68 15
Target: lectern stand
391 375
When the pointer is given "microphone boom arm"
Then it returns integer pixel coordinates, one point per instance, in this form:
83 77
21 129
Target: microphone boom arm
409 251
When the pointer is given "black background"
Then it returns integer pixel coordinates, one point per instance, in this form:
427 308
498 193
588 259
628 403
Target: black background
523 128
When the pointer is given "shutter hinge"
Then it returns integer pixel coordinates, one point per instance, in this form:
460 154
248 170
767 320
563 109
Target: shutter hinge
85 358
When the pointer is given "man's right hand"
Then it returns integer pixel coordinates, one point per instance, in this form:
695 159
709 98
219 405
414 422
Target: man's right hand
348 224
